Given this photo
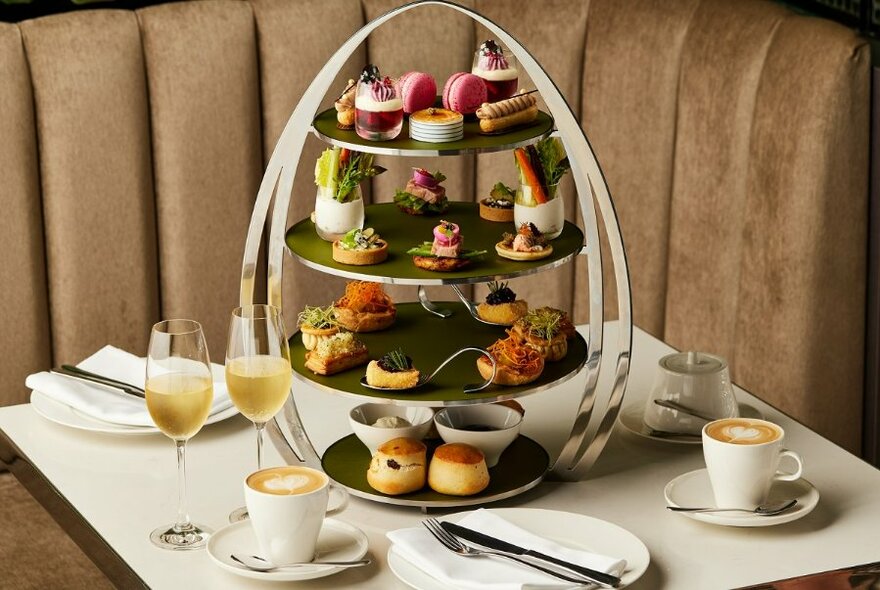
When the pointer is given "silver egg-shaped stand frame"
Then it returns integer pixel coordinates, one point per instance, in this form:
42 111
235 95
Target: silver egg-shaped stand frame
598 410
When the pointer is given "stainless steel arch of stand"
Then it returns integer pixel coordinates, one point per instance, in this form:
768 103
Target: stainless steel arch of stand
598 409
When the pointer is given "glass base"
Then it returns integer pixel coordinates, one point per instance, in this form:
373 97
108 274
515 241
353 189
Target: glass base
238 515
192 537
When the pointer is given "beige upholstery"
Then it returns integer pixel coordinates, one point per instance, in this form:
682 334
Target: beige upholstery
733 136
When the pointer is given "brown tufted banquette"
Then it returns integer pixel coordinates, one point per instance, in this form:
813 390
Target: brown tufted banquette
734 137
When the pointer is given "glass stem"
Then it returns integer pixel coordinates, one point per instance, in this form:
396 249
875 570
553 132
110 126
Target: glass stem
259 426
182 523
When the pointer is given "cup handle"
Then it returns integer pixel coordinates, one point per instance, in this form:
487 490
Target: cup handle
782 476
338 500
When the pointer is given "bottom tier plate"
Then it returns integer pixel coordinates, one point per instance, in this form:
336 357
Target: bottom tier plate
522 467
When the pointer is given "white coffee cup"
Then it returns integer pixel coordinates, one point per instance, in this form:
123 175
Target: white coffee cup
286 506
742 459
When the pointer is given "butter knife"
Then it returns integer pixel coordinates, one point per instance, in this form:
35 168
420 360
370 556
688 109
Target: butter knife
102 381
601 578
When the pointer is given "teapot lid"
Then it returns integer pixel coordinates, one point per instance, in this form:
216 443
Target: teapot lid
693 363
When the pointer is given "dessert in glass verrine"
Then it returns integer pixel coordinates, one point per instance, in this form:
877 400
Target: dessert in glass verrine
498 69
378 106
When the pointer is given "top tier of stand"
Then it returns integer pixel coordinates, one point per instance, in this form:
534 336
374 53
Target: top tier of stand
324 127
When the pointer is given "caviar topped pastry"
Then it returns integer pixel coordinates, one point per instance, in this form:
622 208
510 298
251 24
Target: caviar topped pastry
498 206
445 253
501 305
395 370
360 247
527 244
423 194
317 324
365 307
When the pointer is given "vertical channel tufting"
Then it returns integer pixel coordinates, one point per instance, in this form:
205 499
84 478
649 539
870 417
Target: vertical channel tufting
801 293
630 95
295 41
439 41
23 272
553 32
721 66
201 60
94 146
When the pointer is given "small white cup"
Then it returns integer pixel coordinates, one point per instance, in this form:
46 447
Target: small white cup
742 458
287 511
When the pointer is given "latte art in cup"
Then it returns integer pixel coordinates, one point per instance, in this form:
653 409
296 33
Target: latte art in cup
743 431
286 481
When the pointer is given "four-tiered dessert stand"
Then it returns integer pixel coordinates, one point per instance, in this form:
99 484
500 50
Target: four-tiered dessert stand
525 463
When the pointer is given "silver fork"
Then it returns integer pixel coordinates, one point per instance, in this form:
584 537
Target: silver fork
455 545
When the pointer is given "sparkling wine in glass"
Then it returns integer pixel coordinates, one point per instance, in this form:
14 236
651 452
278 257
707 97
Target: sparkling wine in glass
258 372
179 390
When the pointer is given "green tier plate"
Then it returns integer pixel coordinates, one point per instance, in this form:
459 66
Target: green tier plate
403 231
429 340
522 467
325 128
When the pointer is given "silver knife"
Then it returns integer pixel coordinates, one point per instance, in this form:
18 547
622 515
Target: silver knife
601 578
115 386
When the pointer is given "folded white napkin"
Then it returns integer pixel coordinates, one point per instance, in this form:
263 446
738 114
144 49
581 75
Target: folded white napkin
108 405
420 548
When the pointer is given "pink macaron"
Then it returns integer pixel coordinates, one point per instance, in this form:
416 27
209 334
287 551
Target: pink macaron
464 93
419 91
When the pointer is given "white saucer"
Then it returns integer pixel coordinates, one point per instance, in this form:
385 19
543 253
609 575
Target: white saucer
65 415
632 418
693 489
338 541
567 528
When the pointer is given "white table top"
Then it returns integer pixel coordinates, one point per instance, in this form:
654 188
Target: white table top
126 486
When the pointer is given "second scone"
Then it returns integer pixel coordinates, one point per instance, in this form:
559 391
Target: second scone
398 467
458 469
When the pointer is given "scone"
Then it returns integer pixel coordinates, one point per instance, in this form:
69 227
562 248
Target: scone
458 469
502 306
393 371
398 467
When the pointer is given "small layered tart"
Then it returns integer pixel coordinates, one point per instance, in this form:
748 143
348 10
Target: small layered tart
527 244
360 247
365 307
317 324
544 329
337 353
502 306
436 125
515 362
423 194
445 253
498 206
395 370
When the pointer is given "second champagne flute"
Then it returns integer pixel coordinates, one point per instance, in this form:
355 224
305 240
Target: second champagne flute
258 372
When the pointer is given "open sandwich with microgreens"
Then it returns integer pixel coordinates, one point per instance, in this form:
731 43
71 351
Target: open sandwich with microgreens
317 324
547 330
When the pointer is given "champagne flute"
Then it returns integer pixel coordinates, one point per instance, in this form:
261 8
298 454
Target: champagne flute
258 372
179 391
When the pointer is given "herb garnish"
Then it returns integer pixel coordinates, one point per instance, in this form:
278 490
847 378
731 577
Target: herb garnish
396 361
319 318
543 322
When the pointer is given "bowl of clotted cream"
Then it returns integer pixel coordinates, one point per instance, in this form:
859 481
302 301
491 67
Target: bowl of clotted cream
376 424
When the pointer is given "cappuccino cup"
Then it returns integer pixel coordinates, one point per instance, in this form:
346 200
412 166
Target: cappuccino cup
286 506
742 459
